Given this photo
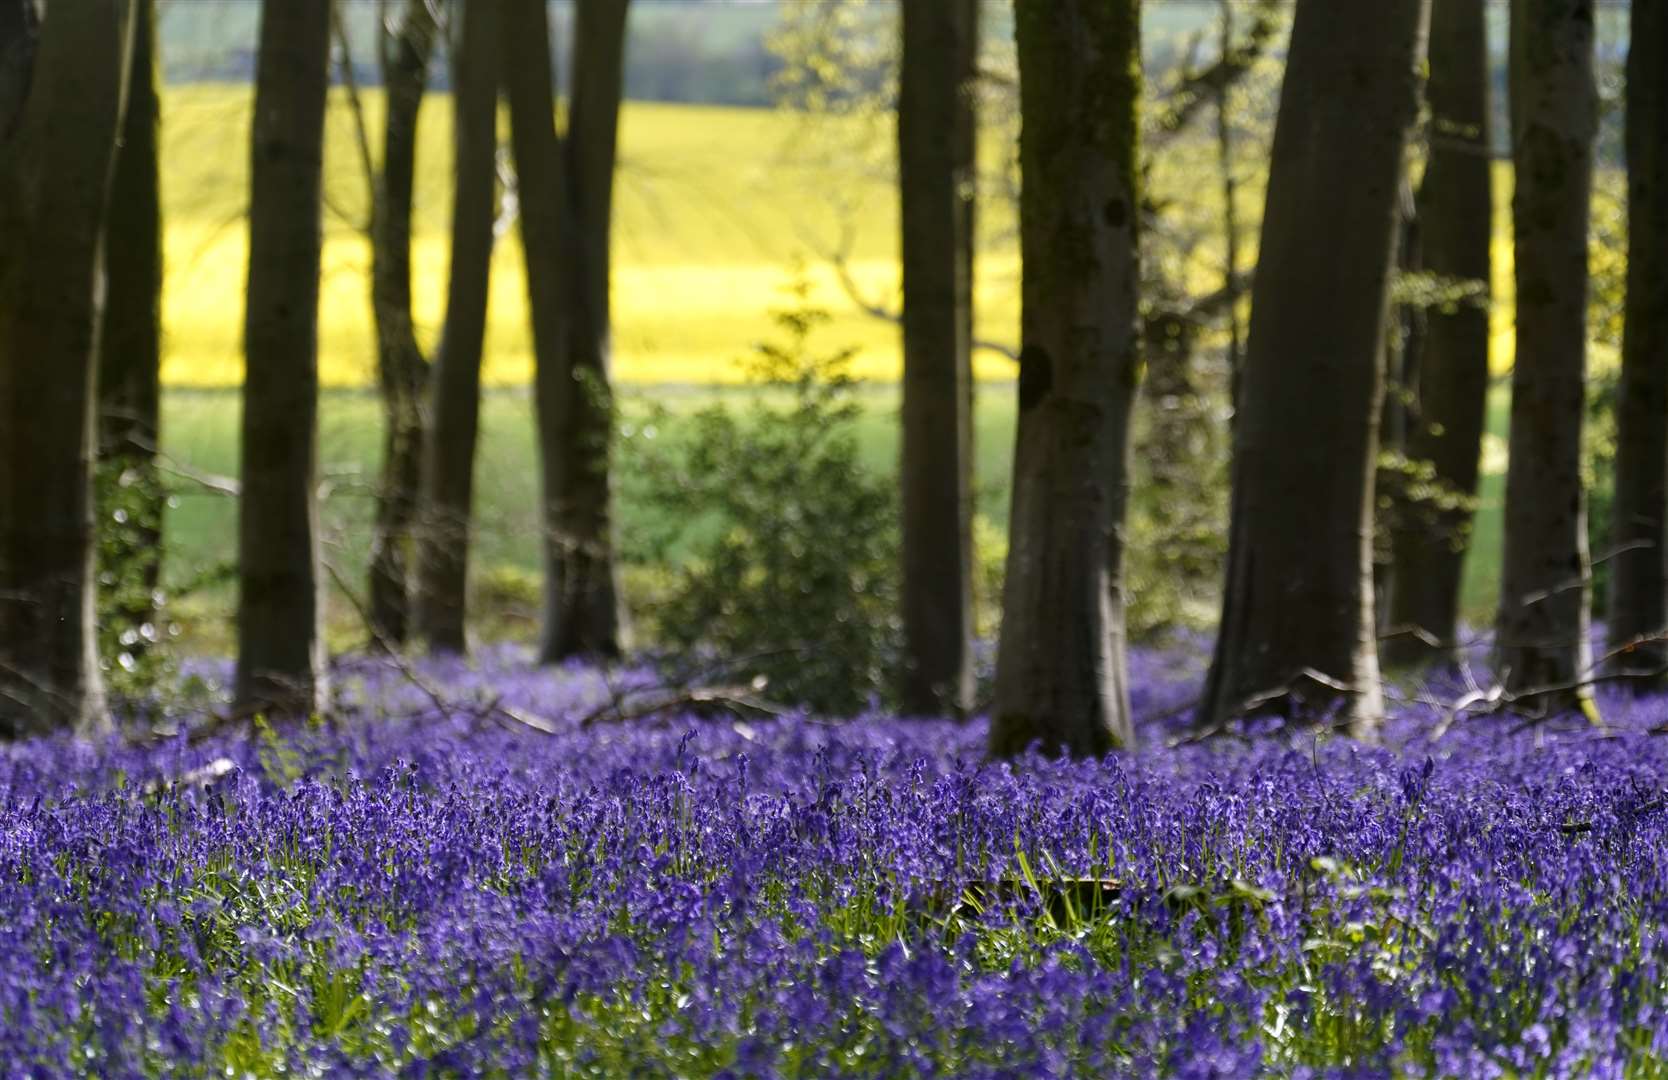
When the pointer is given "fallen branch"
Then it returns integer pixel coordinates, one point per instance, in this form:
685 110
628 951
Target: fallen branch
740 702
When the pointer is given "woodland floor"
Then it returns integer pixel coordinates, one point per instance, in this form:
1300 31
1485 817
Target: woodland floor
430 884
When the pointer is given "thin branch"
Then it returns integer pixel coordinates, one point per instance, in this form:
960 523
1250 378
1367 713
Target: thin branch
838 259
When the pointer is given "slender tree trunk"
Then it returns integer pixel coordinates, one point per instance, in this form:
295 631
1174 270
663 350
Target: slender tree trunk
1541 634
937 580
280 647
575 406
55 169
130 359
1230 207
19 39
1060 671
1297 627
1456 211
402 370
1639 581
455 387
967 238
548 246
1402 347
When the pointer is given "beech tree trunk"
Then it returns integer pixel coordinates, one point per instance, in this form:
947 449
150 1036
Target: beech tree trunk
937 676
1455 208
1297 631
62 85
281 658
1639 574
1228 178
967 199
1060 671
455 386
402 370
130 355
1542 628
574 398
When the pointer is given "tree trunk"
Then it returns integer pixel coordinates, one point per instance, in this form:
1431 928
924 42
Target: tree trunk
937 579
1541 630
402 370
56 160
1230 207
574 399
455 387
280 648
1639 582
130 360
967 197
1402 347
548 246
1297 630
19 38
1456 213
1060 670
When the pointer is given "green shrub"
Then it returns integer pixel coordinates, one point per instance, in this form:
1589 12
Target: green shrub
133 630
781 547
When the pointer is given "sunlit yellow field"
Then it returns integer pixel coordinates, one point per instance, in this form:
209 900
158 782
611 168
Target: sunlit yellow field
714 210
717 209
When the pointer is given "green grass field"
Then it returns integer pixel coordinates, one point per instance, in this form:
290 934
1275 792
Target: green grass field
200 437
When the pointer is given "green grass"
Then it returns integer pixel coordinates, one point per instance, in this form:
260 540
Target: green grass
201 433
200 441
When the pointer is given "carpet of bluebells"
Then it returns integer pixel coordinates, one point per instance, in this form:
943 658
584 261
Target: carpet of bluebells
410 890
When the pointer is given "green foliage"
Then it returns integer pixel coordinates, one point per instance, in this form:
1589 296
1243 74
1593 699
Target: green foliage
1607 260
1411 495
1176 528
782 546
133 630
1598 476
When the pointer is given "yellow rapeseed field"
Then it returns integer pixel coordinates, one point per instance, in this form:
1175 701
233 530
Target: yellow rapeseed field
715 208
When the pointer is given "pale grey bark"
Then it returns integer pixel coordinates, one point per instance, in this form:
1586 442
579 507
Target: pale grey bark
1061 681
1297 630
1541 631
61 97
281 661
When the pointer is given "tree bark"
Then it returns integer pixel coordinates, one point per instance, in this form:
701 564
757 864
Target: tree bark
574 399
455 386
967 197
1639 582
1297 630
402 370
1230 206
1060 671
1541 632
280 647
1456 210
19 38
55 170
130 358
937 587
548 247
